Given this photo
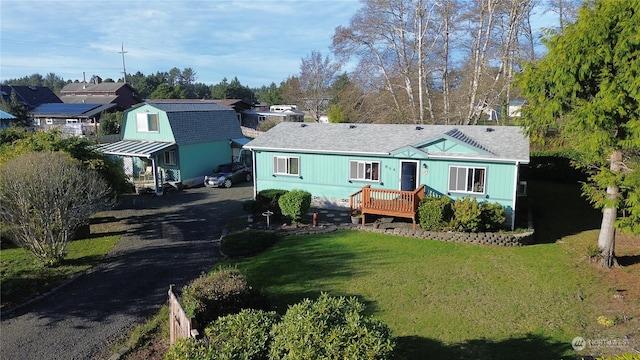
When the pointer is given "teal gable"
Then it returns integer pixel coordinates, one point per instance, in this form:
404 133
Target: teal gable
175 142
333 161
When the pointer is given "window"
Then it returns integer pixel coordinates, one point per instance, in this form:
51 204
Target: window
170 157
49 121
262 118
147 122
464 179
286 165
364 170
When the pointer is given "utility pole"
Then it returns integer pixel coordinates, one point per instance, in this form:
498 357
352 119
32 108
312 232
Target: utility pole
124 69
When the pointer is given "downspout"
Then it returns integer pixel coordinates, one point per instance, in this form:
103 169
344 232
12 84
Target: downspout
515 195
255 182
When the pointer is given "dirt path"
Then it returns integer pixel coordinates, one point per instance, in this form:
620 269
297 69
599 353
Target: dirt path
165 240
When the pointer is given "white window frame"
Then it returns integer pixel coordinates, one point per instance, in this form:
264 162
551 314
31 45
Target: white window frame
282 165
262 118
145 122
466 173
358 170
170 157
48 121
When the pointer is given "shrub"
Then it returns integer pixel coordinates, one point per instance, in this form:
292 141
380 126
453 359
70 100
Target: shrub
294 204
247 243
222 292
244 335
46 197
268 200
434 212
492 216
330 328
189 348
466 215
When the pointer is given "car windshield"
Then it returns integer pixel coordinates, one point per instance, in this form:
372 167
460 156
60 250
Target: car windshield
223 169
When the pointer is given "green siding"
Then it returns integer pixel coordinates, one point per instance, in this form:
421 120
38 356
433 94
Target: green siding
327 176
200 159
130 131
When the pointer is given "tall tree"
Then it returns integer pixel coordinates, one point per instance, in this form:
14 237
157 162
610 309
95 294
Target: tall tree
316 76
585 89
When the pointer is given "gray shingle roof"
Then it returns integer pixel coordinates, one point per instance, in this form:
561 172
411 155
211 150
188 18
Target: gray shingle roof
501 142
194 123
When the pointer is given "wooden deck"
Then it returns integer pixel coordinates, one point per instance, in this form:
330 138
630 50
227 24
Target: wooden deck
386 202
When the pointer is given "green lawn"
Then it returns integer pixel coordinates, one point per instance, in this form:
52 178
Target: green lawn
23 277
439 298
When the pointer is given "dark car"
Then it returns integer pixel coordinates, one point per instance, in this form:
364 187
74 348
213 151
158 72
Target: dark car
227 175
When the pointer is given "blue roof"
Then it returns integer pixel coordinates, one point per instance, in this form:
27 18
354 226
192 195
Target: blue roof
187 106
62 108
6 115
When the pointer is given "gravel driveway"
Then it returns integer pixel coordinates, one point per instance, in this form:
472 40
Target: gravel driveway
165 240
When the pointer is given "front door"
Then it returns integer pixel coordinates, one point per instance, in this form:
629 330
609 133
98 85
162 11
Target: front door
408 175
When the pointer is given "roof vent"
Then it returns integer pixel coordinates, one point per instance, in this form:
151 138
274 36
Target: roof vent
303 125
490 129
352 126
418 127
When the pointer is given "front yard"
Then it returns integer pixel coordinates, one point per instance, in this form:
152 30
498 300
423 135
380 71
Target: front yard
445 300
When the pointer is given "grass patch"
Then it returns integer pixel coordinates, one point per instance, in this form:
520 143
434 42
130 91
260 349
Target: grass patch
439 298
147 340
23 276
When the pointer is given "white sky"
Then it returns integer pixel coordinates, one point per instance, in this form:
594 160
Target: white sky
259 41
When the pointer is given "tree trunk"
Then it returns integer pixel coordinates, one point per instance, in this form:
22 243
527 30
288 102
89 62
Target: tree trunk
607 237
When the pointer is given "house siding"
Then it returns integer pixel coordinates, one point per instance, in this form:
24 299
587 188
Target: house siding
499 185
333 187
130 131
202 158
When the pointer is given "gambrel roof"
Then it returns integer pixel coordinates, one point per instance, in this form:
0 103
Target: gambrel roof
491 143
197 122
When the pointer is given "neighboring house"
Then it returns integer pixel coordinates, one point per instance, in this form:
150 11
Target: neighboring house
98 92
334 161
6 119
238 105
252 118
30 96
74 119
515 108
175 143
496 114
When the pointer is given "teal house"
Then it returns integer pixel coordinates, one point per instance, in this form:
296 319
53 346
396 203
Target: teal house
175 142
334 161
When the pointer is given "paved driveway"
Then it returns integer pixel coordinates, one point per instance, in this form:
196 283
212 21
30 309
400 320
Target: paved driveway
165 240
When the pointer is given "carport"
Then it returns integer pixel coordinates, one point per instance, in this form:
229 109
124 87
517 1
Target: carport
140 149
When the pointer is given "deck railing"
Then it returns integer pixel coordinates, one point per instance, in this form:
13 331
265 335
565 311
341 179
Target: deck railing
386 202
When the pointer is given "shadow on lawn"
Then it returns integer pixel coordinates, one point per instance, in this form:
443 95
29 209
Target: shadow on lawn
526 347
559 210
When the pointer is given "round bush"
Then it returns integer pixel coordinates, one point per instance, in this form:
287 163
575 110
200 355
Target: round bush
434 212
294 204
224 291
247 243
330 328
244 335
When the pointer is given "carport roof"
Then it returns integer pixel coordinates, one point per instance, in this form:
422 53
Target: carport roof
135 148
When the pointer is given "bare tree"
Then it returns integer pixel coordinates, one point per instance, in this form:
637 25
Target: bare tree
46 196
316 76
